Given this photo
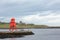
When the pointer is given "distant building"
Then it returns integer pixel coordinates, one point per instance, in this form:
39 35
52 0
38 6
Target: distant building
22 22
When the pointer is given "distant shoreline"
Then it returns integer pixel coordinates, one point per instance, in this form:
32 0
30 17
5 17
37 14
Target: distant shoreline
28 26
35 28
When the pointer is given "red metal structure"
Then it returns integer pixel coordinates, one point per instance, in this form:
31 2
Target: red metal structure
12 24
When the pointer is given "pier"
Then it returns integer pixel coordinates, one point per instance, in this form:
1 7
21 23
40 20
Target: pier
15 34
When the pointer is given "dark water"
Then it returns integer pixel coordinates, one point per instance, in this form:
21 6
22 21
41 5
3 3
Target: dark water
40 34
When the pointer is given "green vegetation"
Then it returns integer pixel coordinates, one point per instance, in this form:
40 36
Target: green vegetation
22 25
5 25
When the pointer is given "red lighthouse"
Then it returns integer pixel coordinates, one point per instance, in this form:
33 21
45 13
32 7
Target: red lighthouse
12 24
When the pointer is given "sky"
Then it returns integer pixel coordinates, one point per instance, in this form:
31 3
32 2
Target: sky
41 12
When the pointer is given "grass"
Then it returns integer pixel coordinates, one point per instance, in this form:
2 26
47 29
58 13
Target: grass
6 25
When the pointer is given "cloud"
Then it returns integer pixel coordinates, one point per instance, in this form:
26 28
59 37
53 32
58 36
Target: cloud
31 11
51 19
27 7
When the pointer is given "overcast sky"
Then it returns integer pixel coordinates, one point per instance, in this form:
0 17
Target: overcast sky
45 12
